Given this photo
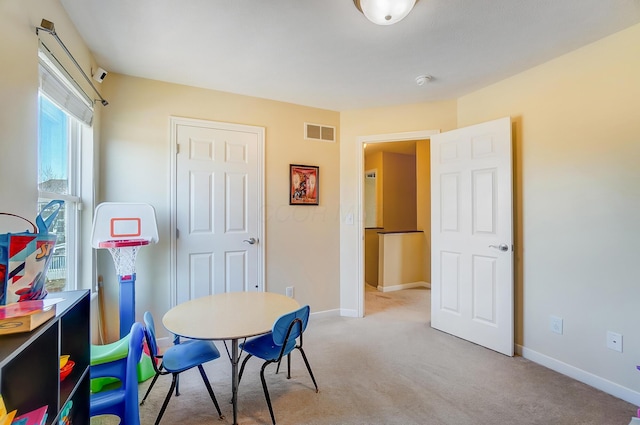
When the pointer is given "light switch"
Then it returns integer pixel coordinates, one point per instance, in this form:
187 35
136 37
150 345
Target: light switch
349 219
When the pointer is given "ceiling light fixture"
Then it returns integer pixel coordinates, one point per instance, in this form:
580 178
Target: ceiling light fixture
385 12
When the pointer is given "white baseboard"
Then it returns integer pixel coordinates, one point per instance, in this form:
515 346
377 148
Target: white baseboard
345 312
420 284
588 378
325 313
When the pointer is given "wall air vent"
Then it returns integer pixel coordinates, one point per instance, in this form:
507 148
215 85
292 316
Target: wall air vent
320 133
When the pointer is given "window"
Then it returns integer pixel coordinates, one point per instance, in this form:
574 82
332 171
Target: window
58 147
64 117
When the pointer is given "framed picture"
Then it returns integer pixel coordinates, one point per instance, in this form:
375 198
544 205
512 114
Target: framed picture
303 184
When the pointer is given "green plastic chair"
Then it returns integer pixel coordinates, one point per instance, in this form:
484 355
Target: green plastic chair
114 351
121 400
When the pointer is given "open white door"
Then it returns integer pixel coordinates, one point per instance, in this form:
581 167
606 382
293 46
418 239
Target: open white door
472 234
218 204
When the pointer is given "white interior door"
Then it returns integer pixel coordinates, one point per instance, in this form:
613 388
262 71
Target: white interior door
472 234
218 202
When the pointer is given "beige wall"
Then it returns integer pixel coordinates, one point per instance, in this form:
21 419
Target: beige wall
423 203
399 189
300 241
397 177
577 161
396 189
401 257
371 254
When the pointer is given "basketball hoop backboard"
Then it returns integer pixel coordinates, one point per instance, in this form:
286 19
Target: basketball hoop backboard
120 221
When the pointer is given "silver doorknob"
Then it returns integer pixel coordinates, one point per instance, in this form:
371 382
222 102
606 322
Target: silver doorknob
502 247
250 241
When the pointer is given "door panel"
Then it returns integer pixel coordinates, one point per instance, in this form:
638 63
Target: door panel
236 271
200 271
472 215
450 269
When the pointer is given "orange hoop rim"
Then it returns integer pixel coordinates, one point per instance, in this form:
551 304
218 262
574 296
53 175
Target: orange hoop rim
123 243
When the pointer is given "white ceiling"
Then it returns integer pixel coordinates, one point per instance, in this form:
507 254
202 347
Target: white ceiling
324 53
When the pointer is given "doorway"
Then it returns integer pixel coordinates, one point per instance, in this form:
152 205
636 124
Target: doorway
370 140
391 194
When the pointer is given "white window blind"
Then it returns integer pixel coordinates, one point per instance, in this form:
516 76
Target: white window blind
60 87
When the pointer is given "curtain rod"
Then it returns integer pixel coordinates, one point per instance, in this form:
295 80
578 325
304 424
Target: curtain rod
47 26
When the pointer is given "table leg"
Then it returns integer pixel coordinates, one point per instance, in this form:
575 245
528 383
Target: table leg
234 379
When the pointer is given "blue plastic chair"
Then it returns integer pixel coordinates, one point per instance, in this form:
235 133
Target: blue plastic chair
123 400
176 359
280 342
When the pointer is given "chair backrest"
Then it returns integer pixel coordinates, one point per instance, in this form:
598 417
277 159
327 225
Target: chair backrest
125 370
150 332
283 323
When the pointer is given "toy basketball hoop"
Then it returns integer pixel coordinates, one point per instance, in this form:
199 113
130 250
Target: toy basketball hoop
123 228
124 252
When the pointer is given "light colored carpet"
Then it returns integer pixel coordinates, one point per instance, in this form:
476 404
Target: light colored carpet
390 368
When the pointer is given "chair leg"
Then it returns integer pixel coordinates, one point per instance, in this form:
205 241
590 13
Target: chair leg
211 394
288 367
166 399
153 382
306 362
244 362
266 392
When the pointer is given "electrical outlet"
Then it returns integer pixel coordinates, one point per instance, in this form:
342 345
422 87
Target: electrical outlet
289 291
555 324
614 341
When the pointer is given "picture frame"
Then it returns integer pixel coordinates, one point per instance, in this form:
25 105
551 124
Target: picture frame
304 184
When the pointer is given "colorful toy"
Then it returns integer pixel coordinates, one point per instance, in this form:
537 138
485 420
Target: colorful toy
123 228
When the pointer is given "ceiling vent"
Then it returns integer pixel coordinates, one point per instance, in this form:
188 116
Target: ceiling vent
320 133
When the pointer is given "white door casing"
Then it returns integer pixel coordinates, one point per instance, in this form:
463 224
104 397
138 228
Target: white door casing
217 208
472 234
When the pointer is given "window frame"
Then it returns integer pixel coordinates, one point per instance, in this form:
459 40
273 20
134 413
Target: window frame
80 199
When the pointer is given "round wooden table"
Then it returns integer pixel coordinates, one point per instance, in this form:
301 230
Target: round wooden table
229 316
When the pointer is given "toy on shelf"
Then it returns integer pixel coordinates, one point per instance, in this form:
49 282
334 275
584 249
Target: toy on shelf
35 417
65 414
25 257
6 418
64 359
66 370
24 316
